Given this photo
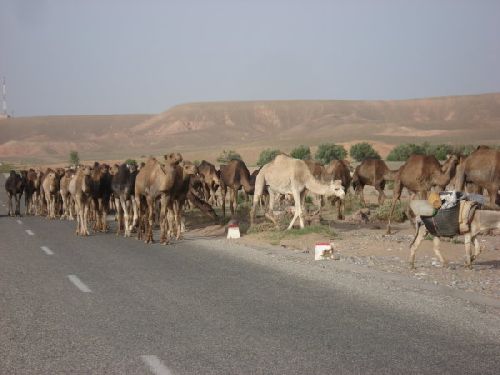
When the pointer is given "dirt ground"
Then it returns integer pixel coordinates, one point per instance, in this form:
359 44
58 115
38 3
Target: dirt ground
367 244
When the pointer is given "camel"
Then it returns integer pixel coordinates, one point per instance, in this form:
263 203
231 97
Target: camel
210 181
100 193
28 190
14 186
482 222
123 186
338 170
183 173
79 188
50 187
372 172
153 181
482 168
67 201
419 175
233 177
286 175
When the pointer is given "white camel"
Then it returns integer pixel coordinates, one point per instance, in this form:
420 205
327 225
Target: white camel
286 175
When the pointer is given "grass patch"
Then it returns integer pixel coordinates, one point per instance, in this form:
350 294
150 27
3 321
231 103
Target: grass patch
399 215
6 167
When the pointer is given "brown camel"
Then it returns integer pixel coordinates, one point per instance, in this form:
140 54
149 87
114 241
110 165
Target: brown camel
233 177
50 187
373 172
100 193
419 175
286 175
153 181
183 173
210 181
482 168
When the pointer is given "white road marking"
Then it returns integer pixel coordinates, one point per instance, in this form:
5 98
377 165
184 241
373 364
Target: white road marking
19 221
29 232
47 250
79 284
155 365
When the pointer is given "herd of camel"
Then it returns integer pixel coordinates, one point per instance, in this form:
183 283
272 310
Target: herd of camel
156 192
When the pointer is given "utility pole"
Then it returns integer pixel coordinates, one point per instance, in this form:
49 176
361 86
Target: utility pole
4 99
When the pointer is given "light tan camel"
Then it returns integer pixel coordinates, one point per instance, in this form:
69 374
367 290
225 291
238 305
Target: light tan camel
419 175
286 175
153 181
79 188
482 222
67 201
50 187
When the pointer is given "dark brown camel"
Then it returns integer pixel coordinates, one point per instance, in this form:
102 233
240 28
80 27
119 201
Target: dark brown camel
482 168
338 170
419 175
14 186
233 177
100 193
373 172
210 181
123 186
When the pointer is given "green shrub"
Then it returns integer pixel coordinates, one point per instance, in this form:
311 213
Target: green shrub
74 159
226 156
266 156
399 215
131 162
403 151
330 151
362 151
301 152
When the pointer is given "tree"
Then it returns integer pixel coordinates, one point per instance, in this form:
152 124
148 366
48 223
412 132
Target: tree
301 152
267 156
362 151
226 156
130 162
403 151
330 151
74 159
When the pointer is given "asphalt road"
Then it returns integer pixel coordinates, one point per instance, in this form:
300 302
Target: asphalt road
109 305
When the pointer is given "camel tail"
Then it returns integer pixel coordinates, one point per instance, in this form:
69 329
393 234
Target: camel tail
201 205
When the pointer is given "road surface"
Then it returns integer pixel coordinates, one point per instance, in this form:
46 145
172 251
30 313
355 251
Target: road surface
110 305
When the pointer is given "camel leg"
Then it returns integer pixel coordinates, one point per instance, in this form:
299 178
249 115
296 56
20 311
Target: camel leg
86 210
119 215
256 201
362 195
419 236
150 222
269 212
223 191
298 211
468 255
233 200
396 196
163 219
381 194
477 250
435 246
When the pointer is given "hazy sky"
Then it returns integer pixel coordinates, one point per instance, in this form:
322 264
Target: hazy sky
106 57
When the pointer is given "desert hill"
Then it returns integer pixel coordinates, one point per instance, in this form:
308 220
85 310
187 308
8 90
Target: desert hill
202 130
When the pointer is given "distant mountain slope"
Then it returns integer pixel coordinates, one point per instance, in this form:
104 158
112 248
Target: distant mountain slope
206 128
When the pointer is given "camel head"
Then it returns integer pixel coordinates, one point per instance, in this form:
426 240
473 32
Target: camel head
336 189
189 169
174 158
